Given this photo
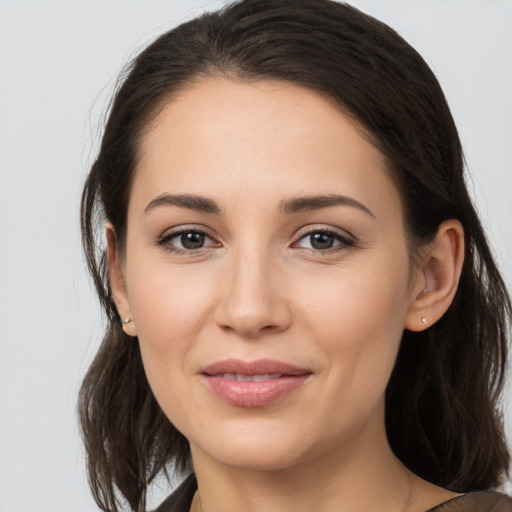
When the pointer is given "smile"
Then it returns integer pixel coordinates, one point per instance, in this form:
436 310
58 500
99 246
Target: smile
249 378
254 384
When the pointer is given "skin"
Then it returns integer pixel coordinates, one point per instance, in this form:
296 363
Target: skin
260 288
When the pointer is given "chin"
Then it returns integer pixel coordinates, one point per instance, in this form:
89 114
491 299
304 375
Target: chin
263 449
258 457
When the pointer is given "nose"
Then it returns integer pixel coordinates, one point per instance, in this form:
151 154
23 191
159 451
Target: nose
253 297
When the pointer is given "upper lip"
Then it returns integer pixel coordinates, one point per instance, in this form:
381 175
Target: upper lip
258 367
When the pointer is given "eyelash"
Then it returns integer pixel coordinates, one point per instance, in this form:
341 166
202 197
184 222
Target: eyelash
344 244
164 242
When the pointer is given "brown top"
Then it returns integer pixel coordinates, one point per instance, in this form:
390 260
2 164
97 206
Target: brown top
181 501
476 502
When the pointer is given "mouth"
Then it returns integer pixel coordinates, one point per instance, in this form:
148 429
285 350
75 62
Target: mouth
253 384
239 377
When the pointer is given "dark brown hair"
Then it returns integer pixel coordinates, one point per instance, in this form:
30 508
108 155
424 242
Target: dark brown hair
442 415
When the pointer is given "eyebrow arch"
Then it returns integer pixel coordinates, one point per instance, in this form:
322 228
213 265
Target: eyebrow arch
301 204
192 202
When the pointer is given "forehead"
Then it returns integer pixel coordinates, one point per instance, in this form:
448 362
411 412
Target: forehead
222 136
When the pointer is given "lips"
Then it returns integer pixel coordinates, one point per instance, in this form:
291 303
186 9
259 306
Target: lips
249 378
253 384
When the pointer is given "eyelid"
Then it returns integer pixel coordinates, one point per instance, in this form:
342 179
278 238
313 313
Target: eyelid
315 228
185 228
346 239
170 233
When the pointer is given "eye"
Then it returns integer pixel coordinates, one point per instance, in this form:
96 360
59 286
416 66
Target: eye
323 240
187 241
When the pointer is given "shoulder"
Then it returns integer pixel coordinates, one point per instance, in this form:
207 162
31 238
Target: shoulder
486 501
181 499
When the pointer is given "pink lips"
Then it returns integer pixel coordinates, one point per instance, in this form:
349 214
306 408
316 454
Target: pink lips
253 384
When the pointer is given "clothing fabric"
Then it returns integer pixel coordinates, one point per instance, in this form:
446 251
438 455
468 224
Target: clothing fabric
476 502
181 499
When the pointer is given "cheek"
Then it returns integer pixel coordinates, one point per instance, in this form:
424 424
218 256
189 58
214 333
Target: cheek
168 304
357 299
169 308
358 322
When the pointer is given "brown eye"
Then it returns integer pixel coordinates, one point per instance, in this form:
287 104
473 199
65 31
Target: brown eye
321 241
184 241
324 240
192 240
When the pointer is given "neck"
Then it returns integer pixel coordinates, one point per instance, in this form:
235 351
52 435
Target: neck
366 476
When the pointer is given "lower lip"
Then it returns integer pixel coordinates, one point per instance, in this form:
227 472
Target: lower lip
254 394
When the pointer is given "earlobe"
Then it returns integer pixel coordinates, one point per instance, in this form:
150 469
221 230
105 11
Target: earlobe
438 277
117 282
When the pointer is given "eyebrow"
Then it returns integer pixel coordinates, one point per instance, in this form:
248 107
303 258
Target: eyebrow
301 204
288 206
192 202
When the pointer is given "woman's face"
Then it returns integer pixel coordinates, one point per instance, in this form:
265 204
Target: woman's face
267 273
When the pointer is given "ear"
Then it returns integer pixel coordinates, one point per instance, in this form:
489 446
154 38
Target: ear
437 278
117 282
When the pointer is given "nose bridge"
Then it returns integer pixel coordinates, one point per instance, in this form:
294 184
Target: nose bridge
252 300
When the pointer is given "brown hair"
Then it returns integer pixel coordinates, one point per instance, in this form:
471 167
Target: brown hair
442 414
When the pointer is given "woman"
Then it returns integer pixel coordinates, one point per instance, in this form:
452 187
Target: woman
304 313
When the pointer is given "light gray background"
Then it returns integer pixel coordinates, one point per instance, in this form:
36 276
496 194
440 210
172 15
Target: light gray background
58 63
